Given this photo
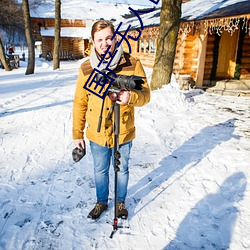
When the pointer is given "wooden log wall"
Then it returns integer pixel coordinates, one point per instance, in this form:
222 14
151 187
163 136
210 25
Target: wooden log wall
178 61
191 56
209 58
73 45
79 46
186 55
50 22
66 44
186 51
47 45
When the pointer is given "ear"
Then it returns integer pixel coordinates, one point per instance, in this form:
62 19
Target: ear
115 39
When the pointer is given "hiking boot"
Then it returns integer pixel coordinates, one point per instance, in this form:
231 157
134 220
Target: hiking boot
122 211
97 210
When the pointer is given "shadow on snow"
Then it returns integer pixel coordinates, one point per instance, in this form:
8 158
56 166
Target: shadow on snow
209 215
210 223
23 110
190 153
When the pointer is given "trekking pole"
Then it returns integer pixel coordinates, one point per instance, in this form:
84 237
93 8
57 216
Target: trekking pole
117 156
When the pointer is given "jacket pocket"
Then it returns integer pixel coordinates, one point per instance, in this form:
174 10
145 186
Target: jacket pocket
127 120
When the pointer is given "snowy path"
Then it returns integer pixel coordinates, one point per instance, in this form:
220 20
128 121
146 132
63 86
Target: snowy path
189 171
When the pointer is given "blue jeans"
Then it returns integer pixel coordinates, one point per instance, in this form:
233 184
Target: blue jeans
102 158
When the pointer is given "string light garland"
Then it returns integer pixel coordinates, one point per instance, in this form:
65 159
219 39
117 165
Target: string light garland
209 26
218 25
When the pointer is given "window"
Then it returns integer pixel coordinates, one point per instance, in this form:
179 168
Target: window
146 45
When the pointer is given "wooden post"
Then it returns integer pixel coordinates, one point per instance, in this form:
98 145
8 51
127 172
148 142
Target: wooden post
201 60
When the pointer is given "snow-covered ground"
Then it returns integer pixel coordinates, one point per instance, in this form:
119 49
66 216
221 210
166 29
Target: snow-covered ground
189 169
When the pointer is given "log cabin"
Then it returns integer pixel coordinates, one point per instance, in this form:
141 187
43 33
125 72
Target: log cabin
74 37
77 18
213 42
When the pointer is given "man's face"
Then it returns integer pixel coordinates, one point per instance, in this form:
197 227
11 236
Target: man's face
102 39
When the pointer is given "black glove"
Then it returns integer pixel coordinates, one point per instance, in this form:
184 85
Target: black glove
78 153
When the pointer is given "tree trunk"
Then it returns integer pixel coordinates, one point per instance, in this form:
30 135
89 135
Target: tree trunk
165 53
28 33
3 57
56 59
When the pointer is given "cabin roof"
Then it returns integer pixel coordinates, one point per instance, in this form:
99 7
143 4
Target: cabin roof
83 10
193 10
208 9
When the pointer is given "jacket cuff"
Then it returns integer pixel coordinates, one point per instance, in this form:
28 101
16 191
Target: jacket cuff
77 135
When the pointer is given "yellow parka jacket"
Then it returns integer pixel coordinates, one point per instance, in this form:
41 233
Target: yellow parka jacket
87 106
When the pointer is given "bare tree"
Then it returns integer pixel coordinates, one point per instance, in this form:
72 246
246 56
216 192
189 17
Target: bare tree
28 33
3 57
11 24
11 16
169 27
56 59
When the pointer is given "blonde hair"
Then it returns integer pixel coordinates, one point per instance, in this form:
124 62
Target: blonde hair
100 25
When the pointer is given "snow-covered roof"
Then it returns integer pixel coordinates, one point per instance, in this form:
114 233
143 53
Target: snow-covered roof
79 32
148 19
92 10
206 9
191 11
84 10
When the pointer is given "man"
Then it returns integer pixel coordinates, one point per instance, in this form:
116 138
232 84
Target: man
87 107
